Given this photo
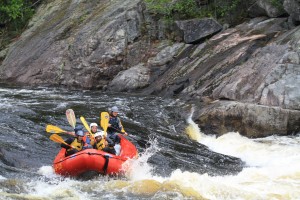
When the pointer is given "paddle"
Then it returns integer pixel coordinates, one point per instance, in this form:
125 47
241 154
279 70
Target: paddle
58 139
104 121
71 117
87 127
54 129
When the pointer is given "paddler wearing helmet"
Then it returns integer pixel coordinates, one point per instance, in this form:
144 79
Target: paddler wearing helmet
75 144
101 143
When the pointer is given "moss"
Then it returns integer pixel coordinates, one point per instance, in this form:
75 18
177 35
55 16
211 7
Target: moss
278 4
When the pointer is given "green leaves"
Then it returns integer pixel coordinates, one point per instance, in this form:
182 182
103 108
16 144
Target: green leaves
10 10
188 9
15 11
182 9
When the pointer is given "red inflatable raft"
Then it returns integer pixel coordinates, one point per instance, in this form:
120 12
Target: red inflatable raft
94 160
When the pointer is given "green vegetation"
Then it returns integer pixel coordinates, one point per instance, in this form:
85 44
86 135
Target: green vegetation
14 16
223 9
277 4
187 9
15 13
180 9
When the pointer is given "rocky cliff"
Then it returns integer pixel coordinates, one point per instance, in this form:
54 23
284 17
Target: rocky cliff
245 78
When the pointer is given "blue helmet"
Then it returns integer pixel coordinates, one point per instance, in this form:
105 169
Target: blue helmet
114 109
79 133
78 127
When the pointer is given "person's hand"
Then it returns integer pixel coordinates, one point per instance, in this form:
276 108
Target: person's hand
88 146
109 125
71 133
125 133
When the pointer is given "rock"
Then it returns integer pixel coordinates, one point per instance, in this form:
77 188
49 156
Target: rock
195 30
267 8
293 9
250 120
132 79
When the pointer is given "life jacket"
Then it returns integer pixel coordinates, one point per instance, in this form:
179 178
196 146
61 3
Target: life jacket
101 144
76 144
89 139
115 125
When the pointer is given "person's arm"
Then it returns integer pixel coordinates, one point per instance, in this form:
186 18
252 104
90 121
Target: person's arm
68 141
110 142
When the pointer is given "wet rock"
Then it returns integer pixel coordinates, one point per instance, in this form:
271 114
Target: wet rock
250 120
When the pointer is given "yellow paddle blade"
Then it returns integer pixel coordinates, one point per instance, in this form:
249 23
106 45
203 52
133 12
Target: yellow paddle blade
54 129
104 121
87 127
58 139
71 117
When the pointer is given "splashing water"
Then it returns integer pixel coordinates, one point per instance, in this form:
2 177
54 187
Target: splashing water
138 169
272 172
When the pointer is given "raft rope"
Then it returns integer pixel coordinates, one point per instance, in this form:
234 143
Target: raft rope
99 154
105 164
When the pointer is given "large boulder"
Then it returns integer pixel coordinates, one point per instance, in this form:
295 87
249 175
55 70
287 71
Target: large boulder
267 8
195 30
132 79
251 120
293 9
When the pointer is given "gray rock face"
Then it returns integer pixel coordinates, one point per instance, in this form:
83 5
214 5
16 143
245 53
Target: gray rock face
293 8
196 30
255 120
132 79
272 9
242 79
75 43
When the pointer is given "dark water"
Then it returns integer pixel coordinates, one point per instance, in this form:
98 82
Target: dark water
25 147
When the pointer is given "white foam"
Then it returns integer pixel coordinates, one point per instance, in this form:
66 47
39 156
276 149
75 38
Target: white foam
139 169
273 168
47 171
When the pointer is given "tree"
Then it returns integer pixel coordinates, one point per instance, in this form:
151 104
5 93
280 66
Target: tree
15 13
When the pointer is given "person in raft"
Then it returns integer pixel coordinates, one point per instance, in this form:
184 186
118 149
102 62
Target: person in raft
102 144
88 138
76 143
114 127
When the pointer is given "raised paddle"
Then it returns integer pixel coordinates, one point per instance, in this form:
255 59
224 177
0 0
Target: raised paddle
58 139
71 117
54 129
87 127
104 120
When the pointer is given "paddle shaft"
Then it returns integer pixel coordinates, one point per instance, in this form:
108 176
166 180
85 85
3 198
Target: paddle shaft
58 139
54 129
85 124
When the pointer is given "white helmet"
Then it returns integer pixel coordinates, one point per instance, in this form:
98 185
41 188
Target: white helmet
99 133
93 124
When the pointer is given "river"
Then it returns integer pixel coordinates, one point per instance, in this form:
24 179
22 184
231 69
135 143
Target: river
170 164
